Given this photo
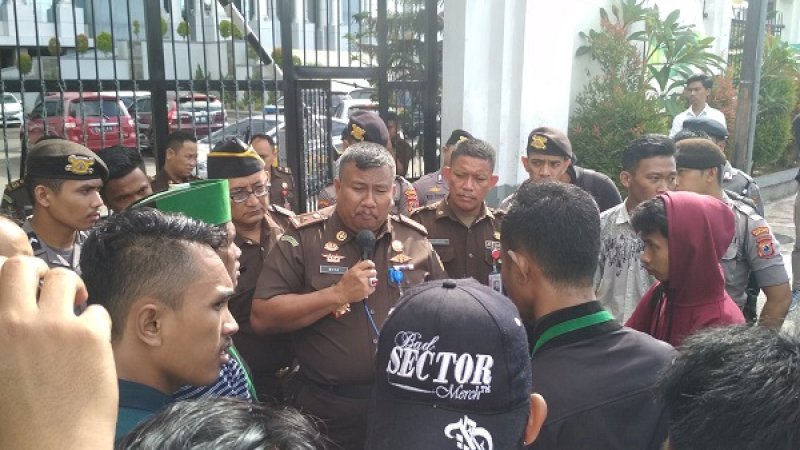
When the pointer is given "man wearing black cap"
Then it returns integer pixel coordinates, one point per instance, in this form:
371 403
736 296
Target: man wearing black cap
259 225
432 187
127 181
596 375
281 181
332 279
549 157
733 179
63 179
754 248
366 126
454 369
463 230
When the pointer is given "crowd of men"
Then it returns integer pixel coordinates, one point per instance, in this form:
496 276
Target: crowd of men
211 314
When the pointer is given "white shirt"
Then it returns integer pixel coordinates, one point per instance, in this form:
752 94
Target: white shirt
620 280
713 114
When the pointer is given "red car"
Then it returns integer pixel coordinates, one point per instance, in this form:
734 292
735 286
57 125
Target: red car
94 120
199 114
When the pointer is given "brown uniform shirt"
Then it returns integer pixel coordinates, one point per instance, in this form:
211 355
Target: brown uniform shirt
405 196
265 355
281 188
313 255
161 181
464 251
431 188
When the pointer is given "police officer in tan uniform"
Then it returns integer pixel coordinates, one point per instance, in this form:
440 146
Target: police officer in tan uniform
366 126
64 180
432 187
315 285
281 181
258 227
463 230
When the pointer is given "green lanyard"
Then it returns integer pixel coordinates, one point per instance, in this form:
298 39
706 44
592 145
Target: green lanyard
250 386
570 326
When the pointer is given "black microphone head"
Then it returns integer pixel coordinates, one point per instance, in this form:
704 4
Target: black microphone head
366 242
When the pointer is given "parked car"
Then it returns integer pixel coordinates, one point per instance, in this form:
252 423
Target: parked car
200 114
94 120
349 106
11 111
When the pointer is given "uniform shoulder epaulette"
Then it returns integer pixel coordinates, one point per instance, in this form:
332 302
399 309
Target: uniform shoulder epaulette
304 220
399 218
744 204
283 169
281 210
498 211
14 185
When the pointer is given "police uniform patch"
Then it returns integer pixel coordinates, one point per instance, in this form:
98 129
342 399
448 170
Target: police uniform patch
491 245
411 199
758 231
336 270
439 242
331 246
332 258
80 165
539 142
290 239
400 259
766 248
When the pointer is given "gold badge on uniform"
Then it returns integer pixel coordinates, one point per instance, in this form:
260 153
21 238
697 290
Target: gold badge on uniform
341 236
539 142
358 132
400 259
332 258
435 189
462 139
397 246
331 246
80 165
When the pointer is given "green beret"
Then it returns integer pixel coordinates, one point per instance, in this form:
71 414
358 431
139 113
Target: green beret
366 126
61 159
206 200
698 154
232 158
549 141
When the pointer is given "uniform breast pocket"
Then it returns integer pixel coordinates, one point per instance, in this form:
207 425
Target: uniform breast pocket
326 277
445 252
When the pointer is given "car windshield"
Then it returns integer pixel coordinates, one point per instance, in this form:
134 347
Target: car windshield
8 98
243 130
198 106
96 108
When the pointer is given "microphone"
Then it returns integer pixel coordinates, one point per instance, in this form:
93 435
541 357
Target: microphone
366 242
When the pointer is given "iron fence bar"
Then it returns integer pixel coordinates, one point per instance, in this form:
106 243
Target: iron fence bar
431 85
78 62
133 75
5 132
116 82
157 78
23 152
291 113
382 29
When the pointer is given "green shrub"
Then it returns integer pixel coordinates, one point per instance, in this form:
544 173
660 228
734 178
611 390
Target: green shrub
103 42
25 64
82 43
54 46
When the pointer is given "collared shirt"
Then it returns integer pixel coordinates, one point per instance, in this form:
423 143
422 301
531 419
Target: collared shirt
465 251
620 280
69 259
713 114
233 381
281 188
610 372
754 248
431 188
314 255
137 402
742 184
161 181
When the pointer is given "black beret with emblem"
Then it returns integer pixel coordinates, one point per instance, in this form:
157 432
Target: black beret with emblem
710 126
698 154
366 126
60 159
232 158
549 141
457 136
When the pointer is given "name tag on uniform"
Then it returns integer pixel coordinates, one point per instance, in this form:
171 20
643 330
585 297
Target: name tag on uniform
439 242
336 270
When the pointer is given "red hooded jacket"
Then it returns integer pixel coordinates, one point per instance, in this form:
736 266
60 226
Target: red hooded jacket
700 229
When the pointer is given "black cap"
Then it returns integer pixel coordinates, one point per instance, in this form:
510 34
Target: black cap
452 366
60 159
699 154
232 158
458 136
549 141
366 126
710 126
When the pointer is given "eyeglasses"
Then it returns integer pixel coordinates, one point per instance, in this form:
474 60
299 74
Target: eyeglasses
241 195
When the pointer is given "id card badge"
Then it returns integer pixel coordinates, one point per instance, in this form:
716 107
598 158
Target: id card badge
496 282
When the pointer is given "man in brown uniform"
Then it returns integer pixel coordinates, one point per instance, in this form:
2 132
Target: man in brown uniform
180 161
281 181
463 230
432 187
366 126
315 285
257 231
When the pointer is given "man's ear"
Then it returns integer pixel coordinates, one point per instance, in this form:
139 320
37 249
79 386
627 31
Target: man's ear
625 178
148 322
42 195
446 173
521 264
536 418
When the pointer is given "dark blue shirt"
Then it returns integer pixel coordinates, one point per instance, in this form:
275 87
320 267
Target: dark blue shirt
137 402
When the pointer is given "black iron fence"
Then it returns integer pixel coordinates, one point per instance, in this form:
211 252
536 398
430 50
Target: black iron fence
127 73
774 27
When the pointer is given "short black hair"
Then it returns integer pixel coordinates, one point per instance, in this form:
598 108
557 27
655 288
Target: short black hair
734 388
139 252
263 136
475 148
176 139
690 134
647 146
228 423
708 83
31 182
558 224
121 161
650 216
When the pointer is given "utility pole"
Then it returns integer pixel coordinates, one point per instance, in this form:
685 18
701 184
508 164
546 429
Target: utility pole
750 81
